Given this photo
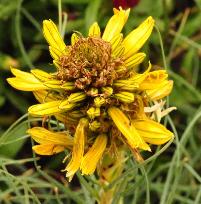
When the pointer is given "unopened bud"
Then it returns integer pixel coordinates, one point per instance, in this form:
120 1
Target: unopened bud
94 125
92 92
93 112
99 101
108 91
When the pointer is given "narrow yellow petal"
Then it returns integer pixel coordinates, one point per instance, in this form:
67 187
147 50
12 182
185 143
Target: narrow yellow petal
44 96
74 38
162 91
28 81
136 39
127 129
116 41
56 64
53 36
76 97
20 74
94 30
55 53
115 24
125 96
78 148
139 78
134 60
72 99
44 136
48 149
152 132
91 158
118 52
24 75
153 80
41 75
49 108
25 84
126 84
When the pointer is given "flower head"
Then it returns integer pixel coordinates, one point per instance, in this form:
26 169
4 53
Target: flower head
97 93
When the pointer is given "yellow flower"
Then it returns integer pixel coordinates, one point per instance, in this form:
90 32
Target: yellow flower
96 92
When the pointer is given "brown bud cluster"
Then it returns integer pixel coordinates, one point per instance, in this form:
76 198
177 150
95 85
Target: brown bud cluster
89 63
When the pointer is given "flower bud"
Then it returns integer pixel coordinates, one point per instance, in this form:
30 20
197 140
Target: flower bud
93 112
99 101
107 91
94 125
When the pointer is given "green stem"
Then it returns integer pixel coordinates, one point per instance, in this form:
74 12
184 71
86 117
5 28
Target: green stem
60 15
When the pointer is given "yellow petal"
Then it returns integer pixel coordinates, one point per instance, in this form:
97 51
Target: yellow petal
27 81
127 129
153 80
44 96
56 64
49 108
44 136
118 52
162 91
152 132
50 82
125 96
78 149
25 84
94 30
66 119
139 108
136 39
128 85
115 24
53 36
48 149
134 60
116 41
21 74
74 38
55 53
91 158
41 75
139 78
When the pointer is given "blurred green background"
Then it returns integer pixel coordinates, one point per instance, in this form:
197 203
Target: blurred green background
174 176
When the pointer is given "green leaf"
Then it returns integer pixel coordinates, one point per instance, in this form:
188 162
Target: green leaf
14 143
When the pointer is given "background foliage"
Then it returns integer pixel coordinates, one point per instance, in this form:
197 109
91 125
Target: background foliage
172 177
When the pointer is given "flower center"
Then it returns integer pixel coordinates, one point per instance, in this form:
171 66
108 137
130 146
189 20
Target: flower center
89 63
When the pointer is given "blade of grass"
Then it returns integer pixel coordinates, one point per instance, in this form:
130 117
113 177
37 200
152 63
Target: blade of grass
182 142
193 172
19 36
